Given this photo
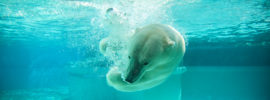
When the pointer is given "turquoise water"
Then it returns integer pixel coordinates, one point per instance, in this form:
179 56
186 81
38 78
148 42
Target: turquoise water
49 49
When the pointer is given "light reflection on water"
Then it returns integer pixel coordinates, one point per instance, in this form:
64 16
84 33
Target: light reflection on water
200 20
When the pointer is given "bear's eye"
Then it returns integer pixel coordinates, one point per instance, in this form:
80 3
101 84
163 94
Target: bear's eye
145 63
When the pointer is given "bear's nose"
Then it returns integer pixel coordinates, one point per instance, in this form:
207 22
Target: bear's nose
132 76
129 80
134 71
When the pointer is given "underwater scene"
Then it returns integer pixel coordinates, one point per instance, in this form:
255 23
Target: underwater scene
135 50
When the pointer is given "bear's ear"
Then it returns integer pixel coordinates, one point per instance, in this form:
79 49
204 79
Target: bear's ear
169 43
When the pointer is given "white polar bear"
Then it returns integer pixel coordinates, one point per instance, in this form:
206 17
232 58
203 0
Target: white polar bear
154 52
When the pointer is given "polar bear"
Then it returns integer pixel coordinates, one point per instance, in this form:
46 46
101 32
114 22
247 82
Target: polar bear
154 51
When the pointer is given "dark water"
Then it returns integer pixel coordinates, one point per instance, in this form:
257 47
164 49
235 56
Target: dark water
49 49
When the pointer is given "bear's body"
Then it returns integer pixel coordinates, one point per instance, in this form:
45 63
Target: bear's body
154 52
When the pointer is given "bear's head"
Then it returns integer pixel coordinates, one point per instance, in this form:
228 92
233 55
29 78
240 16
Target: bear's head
148 48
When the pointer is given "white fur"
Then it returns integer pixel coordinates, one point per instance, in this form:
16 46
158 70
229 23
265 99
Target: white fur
161 45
